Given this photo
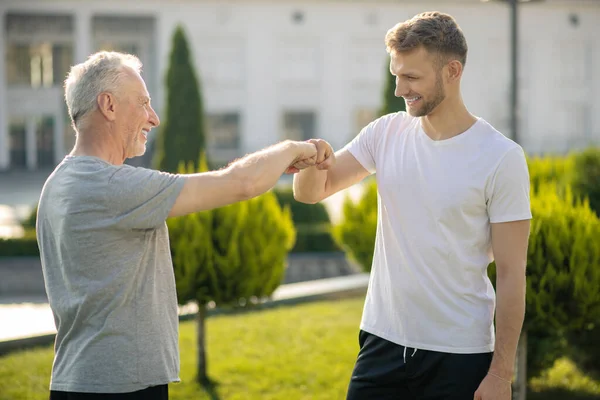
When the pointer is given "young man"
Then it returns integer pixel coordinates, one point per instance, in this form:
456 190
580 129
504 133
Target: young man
453 195
103 238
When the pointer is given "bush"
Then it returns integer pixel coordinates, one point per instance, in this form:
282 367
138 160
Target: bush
356 233
563 259
582 172
314 238
562 273
586 343
26 246
586 176
312 222
231 256
302 213
233 252
565 375
555 169
29 222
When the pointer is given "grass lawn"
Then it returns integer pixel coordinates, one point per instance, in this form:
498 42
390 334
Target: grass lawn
288 353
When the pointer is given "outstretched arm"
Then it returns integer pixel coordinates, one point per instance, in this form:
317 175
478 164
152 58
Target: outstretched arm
244 179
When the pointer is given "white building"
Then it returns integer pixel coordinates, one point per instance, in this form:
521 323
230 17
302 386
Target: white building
271 69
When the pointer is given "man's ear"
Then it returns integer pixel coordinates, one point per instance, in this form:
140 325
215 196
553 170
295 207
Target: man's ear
107 105
454 71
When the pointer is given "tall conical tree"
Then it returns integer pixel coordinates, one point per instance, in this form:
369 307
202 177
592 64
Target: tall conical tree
181 137
391 103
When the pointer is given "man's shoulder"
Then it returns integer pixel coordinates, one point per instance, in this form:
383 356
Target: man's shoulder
495 142
390 124
77 179
386 120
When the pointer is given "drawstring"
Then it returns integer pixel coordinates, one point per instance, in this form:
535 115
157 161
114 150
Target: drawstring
413 354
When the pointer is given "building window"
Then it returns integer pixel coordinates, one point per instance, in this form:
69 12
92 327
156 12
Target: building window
17 146
39 49
29 25
223 131
299 125
44 134
38 65
131 35
121 47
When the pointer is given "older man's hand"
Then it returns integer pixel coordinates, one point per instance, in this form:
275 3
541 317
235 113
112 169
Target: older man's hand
325 157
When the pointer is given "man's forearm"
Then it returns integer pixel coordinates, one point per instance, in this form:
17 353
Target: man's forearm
260 171
309 185
510 311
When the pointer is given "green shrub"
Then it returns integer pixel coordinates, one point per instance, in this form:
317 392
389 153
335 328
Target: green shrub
563 260
231 256
586 347
586 176
356 233
29 222
233 252
20 247
555 169
562 273
302 213
565 375
312 222
314 238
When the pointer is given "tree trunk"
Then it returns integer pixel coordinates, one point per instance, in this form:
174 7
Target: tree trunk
520 384
202 377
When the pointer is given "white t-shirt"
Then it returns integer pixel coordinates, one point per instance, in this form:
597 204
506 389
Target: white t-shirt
429 287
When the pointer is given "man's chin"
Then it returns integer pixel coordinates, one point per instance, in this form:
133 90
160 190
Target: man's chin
140 152
414 113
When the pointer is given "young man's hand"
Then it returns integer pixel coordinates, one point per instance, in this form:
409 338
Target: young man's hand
494 387
325 157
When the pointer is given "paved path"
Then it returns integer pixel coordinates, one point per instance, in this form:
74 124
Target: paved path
22 318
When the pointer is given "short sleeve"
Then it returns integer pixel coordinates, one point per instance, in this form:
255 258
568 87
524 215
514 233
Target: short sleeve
508 198
141 198
362 147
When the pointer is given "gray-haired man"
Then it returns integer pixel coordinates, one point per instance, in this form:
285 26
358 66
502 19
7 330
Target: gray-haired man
104 243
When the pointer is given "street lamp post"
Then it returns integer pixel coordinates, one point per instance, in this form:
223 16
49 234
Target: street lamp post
514 64
514 70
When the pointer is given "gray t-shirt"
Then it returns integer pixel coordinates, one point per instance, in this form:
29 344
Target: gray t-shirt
108 273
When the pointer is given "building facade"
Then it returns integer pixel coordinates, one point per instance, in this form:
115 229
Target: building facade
271 70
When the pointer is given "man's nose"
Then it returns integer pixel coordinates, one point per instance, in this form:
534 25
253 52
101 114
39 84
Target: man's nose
154 120
401 88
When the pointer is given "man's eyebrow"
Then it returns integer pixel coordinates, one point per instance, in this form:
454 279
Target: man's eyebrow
145 98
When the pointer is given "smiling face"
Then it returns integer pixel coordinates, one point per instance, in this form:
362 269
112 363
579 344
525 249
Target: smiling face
138 117
418 80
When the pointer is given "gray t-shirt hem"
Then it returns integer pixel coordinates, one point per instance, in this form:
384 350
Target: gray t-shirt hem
108 388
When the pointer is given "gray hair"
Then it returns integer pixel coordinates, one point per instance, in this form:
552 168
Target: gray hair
101 72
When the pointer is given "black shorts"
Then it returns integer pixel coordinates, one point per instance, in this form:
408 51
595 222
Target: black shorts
386 371
160 392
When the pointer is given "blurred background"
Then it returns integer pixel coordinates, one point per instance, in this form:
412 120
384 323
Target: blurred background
270 70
